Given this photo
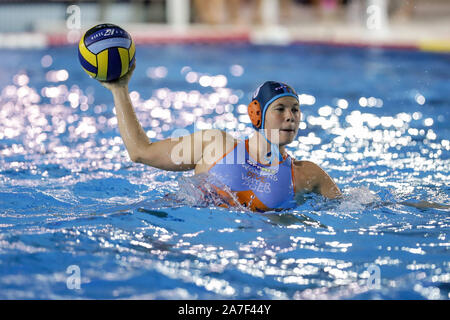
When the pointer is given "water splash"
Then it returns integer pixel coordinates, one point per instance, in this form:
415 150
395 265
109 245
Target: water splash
357 199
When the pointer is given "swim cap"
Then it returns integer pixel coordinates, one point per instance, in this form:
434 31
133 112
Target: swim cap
263 96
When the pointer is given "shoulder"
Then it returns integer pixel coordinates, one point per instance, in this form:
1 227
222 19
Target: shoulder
216 133
215 145
307 175
218 137
213 137
305 165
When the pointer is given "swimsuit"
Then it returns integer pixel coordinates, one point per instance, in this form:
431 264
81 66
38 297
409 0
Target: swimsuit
254 185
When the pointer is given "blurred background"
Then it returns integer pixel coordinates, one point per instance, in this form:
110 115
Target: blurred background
411 23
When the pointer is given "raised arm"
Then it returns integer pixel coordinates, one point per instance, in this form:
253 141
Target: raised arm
174 154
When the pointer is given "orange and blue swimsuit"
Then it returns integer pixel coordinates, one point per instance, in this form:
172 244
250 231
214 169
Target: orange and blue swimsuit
256 186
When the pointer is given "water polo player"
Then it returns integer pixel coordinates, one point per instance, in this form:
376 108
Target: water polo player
256 173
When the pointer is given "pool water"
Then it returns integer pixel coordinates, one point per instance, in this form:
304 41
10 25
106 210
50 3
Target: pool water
78 219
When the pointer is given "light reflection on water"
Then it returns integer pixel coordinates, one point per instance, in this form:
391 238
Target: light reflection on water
69 194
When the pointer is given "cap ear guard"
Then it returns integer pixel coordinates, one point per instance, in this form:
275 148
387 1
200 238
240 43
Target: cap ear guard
255 113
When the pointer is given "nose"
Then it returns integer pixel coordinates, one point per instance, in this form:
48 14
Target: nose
289 115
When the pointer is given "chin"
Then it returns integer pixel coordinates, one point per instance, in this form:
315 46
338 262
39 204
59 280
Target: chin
287 140
283 138
284 142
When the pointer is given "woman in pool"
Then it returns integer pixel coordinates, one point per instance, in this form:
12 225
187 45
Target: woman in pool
244 173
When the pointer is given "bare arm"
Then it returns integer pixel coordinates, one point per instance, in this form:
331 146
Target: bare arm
174 154
131 131
425 205
309 177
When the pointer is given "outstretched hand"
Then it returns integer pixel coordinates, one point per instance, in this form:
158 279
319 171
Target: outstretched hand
121 82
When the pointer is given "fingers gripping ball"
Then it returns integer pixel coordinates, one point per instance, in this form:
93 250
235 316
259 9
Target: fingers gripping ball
106 52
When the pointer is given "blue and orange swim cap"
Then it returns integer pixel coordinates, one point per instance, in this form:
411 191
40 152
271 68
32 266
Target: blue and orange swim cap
263 96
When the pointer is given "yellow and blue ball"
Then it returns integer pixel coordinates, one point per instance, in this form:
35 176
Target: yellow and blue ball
106 52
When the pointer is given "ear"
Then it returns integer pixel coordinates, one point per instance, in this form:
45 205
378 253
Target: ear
254 112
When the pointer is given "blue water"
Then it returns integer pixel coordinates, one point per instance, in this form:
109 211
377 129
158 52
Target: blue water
73 207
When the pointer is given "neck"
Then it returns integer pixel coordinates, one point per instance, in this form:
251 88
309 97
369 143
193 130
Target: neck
259 148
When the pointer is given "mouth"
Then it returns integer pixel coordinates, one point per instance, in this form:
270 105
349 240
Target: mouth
287 130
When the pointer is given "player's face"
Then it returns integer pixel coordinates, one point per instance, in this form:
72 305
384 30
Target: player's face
282 119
